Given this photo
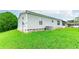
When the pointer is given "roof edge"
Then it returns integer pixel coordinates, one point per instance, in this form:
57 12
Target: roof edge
31 12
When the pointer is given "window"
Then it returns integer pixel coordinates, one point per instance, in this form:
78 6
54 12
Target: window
63 23
22 17
58 22
52 21
40 22
22 23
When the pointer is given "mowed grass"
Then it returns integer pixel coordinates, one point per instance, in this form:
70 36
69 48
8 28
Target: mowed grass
59 38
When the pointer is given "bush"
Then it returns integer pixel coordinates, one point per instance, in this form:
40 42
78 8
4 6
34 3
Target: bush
8 21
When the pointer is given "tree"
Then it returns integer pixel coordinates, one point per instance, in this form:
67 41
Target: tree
8 21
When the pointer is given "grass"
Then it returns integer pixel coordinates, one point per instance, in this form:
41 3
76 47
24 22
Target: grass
59 38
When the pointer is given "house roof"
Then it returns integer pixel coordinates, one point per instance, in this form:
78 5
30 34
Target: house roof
42 15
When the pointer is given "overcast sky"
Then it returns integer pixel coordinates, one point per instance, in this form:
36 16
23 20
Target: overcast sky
61 14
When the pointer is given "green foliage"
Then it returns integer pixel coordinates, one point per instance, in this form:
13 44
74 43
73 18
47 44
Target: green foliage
59 38
8 21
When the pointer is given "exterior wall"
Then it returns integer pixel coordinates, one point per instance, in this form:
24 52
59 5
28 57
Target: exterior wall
22 27
33 22
58 26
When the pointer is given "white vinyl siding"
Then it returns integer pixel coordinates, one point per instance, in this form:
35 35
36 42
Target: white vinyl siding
32 22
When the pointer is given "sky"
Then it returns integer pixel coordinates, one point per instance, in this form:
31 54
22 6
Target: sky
15 12
60 14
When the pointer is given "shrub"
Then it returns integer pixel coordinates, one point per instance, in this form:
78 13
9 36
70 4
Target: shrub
8 21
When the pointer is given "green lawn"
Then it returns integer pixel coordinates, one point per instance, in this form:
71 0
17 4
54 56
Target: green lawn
59 38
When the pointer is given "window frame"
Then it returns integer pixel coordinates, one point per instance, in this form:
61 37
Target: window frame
52 21
40 22
23 23
58 22
63 23
22 17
